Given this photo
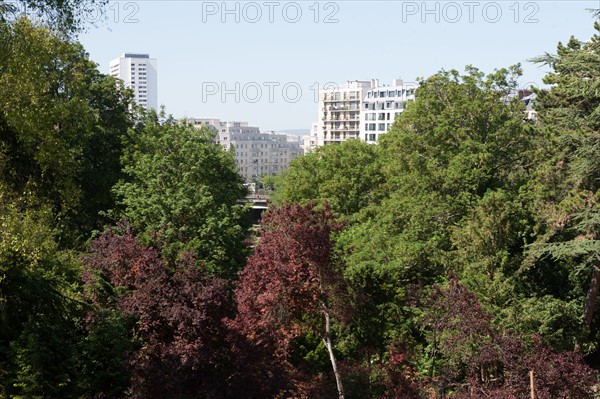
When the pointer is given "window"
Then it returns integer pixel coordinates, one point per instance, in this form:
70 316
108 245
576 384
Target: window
382 127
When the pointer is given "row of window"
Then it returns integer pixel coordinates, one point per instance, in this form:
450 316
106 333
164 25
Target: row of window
273 168
382 105
381 116
344 107
256 161
356 96
245 154
352 96
338 136
337 125
242 145
390 93
377 117
382 127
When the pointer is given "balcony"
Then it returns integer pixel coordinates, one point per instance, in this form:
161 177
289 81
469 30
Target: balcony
341 118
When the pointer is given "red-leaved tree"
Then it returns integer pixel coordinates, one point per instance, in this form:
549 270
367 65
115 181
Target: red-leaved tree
178 313
477 360
290 285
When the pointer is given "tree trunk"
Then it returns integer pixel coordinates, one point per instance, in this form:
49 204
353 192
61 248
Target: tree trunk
590 300
329 344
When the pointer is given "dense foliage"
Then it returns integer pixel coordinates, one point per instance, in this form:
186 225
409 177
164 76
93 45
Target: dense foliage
181 190
290 286
456 259
345 177
178 311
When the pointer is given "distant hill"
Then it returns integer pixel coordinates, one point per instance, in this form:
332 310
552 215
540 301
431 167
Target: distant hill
299 132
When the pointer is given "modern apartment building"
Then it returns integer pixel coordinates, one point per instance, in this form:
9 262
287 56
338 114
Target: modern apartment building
256 153
359 110
339 112
381 105
138 71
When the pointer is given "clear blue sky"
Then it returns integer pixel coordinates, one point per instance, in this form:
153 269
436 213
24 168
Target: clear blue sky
202 49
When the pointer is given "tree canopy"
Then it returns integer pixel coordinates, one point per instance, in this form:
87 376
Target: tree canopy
182 190
455 259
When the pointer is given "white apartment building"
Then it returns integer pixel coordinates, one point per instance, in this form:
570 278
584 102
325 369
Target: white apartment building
381 105
310 139
530 101
213 124
256 154
138 71
339 112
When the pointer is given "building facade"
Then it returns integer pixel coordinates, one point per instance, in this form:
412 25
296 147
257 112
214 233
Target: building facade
311 139
256 153
339 112
138 72
381 105
358 110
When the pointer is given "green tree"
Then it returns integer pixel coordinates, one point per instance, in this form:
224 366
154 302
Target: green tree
458 142
489 255
38 306
63 126
565 190
182 191
67 16
346 176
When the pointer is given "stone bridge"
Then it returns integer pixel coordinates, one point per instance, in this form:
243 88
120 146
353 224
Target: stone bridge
259 204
